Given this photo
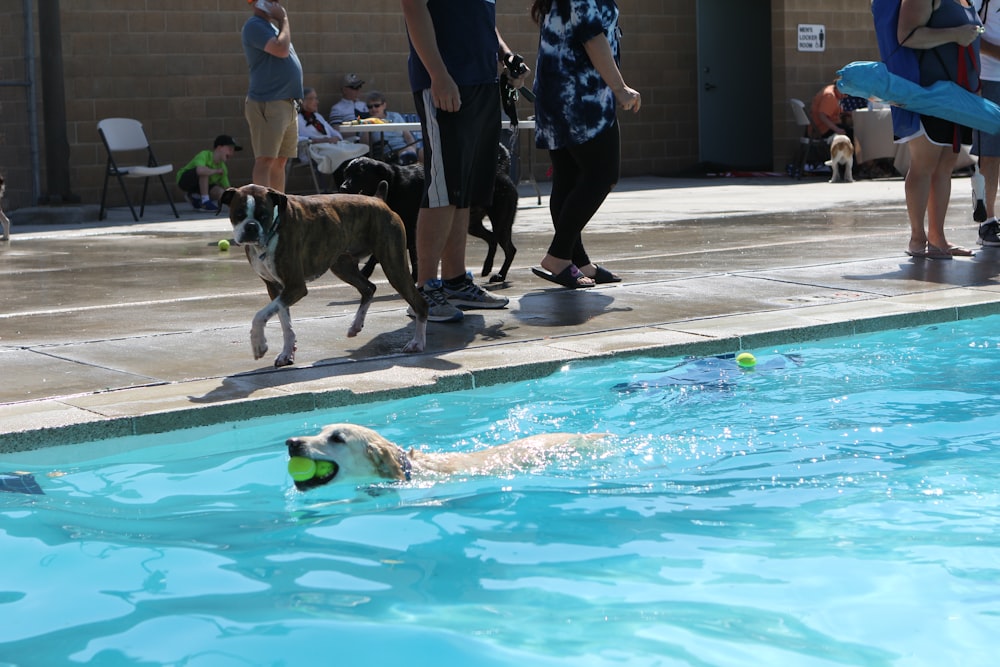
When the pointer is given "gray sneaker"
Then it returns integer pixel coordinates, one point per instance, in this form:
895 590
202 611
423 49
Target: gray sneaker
438 308
471 295
988 233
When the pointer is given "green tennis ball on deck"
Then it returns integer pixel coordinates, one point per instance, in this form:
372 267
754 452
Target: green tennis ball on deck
223 245
746 360
301 468
323 468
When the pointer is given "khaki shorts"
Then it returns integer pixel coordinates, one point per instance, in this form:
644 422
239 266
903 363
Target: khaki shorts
274 129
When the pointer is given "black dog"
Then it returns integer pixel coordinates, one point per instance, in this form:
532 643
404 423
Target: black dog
406 188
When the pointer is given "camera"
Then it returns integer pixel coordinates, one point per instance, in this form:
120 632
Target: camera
515 65
515 68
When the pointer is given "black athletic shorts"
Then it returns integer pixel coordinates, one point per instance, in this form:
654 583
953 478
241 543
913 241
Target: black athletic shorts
188 182
942 131
460 147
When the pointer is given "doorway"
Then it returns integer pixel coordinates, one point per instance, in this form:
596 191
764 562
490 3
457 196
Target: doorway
734 84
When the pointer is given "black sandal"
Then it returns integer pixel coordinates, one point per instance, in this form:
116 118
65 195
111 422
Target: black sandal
602 276
569 277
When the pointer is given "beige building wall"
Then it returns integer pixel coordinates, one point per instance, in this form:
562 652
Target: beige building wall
177 65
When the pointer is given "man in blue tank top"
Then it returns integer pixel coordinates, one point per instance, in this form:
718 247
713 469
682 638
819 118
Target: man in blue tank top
455 49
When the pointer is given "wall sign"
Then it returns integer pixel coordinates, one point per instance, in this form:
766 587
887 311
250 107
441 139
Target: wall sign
812 37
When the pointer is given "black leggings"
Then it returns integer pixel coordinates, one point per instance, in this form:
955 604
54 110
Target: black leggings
582 177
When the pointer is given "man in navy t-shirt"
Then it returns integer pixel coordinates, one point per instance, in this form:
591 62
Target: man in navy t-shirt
455 49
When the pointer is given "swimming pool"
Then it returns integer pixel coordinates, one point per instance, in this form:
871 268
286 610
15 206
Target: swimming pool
837 505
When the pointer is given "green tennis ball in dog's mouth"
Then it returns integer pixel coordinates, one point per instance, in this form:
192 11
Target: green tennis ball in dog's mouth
302 469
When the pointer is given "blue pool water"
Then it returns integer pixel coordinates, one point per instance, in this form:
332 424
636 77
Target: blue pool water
838 505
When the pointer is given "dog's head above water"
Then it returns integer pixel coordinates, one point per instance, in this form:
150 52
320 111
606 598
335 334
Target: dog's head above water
253 211
356 454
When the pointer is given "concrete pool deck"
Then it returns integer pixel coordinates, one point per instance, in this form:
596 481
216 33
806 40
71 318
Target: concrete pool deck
114 328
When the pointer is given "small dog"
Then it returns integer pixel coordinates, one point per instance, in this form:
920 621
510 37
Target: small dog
406 189
841 160
359 455
291 240
4 220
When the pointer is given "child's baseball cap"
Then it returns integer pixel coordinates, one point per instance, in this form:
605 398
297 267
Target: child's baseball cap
226 140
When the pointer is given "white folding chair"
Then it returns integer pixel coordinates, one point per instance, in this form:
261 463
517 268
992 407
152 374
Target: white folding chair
808 145
303 160
125 135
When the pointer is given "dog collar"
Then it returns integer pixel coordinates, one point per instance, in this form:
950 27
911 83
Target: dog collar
404 463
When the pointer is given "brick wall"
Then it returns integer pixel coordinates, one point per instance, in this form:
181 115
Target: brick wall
801 74
177 66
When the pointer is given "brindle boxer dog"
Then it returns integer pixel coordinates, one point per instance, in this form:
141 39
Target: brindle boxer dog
291 240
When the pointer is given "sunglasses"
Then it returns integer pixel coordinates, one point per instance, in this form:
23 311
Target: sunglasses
376 105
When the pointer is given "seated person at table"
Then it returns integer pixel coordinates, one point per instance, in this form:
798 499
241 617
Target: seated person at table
399 147
351 106
324 143
206 176
827 114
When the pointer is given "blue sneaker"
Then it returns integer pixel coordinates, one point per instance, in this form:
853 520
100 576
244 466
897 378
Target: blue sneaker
438 308
195 200
210 206
468 294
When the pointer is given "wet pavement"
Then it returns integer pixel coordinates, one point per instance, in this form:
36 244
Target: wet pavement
116 328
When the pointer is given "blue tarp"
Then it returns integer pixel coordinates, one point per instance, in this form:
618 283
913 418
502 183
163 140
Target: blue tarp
943 99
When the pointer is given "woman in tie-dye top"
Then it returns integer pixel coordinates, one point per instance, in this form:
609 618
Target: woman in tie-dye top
578 88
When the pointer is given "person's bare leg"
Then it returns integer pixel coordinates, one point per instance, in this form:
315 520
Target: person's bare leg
453 253
434 226
923 159
989 167
278 174
262 171
940 197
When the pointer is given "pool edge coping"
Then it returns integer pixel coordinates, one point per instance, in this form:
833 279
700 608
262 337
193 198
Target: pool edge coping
697 337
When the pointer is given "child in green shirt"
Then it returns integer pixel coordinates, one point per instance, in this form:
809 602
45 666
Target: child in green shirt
206 176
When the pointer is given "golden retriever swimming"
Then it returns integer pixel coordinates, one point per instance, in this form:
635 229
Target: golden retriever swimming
358 454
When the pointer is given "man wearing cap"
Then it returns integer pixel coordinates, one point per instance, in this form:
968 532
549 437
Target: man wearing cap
351 106
206 176
275 88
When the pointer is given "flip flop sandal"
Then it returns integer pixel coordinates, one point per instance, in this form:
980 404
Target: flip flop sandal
934 252
569 277
602 276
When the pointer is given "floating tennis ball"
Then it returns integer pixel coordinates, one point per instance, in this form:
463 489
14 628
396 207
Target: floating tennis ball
301 468
746 360
323 468
223 245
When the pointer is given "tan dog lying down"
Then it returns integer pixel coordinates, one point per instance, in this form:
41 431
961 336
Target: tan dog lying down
359 454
